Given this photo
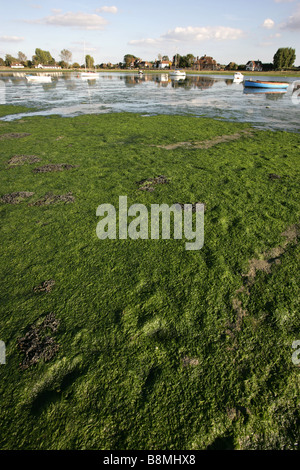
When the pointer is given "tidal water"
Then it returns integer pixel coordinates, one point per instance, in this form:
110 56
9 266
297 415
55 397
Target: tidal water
199 95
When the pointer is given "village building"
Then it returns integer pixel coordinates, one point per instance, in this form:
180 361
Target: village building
206 63
52 67
163 64
253 66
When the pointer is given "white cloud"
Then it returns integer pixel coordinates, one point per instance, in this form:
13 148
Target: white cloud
78 20
268 23
293 22
106 9
11 39
284 1
193 34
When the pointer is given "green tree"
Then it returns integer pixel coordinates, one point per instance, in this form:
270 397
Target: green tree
21 57
190 59
43 57
9 60
89 61
63 64
176 60
128 58
2 62
165 57
284 58
232 66
66 56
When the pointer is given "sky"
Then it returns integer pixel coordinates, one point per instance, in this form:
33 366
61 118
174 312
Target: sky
231 30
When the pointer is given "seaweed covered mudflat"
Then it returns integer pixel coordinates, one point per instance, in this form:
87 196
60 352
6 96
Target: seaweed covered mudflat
140 344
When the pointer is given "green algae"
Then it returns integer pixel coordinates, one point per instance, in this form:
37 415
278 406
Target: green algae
150 355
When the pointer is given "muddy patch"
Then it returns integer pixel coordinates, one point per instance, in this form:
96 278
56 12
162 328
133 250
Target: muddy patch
18 160
38 343
207 144
53 168
150 183
50 198
14 135
16 198
46 286
273 177
188 361
264 264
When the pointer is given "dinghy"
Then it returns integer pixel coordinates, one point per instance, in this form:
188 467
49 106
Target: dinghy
262 84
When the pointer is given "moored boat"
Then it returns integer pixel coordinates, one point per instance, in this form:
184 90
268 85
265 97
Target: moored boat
263 84
238 77
39 78
177 74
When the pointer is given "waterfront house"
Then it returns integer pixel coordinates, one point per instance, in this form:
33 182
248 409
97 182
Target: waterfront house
163 64
253 66
206 63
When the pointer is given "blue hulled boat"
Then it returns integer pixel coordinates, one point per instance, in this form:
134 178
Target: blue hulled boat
261 84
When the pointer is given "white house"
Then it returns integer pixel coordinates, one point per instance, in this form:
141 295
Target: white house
164 64
17 66
52 67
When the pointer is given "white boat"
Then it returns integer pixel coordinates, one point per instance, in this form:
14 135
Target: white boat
39 78
238 77
178 74
88 75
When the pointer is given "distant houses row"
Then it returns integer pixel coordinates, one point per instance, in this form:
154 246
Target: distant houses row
200 63
40 66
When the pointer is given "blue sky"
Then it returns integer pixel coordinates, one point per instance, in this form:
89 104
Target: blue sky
231 30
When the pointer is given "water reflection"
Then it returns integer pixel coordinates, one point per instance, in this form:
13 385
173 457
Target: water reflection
154 93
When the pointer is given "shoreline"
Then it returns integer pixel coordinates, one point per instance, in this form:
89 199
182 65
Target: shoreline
291 74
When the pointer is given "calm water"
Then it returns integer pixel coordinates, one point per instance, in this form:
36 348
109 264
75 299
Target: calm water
213 96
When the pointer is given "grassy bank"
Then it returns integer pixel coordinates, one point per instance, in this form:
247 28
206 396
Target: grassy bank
141 344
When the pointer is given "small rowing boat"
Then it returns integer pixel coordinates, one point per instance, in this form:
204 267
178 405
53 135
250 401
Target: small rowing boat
178 74
262 84
38 78
238 77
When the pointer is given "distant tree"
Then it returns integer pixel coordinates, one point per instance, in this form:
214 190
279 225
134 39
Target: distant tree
66 56
9 60
89 61
2 62
284 58
267 67
242 67
43 57
176 60
232 66
63 64
166 58
128 58
183 61
190 59
22 57
75 65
